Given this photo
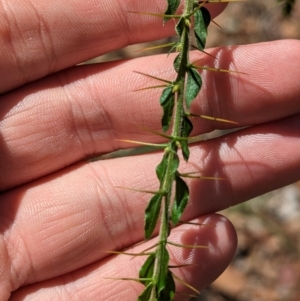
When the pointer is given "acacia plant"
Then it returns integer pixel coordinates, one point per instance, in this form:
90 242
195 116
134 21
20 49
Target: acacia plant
168 202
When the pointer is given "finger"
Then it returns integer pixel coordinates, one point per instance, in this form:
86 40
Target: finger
39 39
91 281
78 214
84 111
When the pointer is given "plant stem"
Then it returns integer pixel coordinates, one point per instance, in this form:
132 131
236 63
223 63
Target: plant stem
160 269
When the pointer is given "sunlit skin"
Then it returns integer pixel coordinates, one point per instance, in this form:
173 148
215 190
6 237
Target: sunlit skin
59 213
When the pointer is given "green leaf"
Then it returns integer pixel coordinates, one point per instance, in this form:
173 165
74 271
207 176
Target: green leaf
163 270
180 201
147 269
185 149
146 294
152 214
180 26
173 146
169 291
202 19
167 101
177 62
175 46
193 86
172 7
174 162
186 129
162 167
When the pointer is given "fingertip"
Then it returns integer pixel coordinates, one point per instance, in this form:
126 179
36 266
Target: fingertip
219 236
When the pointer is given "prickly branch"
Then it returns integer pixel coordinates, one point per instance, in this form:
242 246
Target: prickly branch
169 201
167 205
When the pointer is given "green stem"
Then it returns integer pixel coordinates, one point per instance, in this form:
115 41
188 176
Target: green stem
160 269
180 80
164 228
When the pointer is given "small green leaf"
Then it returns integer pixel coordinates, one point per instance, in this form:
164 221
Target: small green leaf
174 162
167 100
146 294
168 292
176 46
185 149
180 201
193 86
163 270
202 19
172 7
177 62
152 214
180 26
173 146
162 168
147 269
186 129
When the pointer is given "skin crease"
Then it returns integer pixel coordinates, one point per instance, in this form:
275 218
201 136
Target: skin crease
59 215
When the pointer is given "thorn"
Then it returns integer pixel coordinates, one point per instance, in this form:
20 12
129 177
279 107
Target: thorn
219 1
129 279
151 87
195 224
143 143
157 47
126 253
160 134
182 266
139 243
187 246
202 3
156 15
213 118
212 21
186 284
195 47
151 247
190 175
140 190
217 69
168 136
154 77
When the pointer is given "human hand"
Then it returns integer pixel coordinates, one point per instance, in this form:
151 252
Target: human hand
59 213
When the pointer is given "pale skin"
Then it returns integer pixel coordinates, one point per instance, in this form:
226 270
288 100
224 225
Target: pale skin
59 215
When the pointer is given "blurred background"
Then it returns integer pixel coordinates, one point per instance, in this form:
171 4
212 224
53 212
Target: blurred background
266 266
